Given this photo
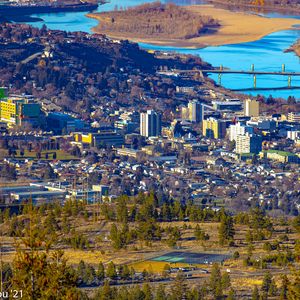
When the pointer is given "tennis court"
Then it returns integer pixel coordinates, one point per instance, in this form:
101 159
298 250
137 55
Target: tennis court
191 258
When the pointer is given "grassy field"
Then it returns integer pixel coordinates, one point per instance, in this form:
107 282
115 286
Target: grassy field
60 155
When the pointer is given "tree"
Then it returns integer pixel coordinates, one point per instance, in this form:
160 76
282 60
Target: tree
105 292
215 281
255 294
179 289
38 274
226 229
160 293
147 292
284 287
231 295
122 210
225 281
111 271
268 286
200 235
100 272
294 288
296 223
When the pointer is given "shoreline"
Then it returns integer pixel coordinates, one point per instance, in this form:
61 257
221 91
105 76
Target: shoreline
234 29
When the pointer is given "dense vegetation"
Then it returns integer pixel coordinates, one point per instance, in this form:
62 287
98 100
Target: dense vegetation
156 20
43 233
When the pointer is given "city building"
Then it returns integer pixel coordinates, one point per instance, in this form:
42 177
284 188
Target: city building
294 117
150 123
20 110
280 156
213 128
100 139
248 143
263 124
228 104
251 108
239 129
128 152
194 111
63 123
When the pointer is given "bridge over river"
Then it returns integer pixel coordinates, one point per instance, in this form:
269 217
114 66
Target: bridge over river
222 71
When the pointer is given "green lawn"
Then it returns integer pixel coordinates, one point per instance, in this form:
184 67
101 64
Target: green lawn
60 155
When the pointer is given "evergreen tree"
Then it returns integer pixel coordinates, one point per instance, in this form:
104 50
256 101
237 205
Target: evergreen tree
160 293
255 294
215 281
284 287
226 230
147 292
179 289
100 272
268 285
225 281
111 271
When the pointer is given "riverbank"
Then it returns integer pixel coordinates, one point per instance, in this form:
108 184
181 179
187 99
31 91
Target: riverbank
290 8
236 27
295 48
22 13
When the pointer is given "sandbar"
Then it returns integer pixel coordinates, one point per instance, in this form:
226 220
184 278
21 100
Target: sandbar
236 27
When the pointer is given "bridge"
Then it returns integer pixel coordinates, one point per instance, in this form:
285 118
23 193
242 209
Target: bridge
252 71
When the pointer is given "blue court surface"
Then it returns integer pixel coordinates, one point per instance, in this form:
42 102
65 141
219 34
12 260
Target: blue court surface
191 258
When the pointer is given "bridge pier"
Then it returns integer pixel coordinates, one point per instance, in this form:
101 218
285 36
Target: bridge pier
254 81
290 81
252 68
283 68
219 79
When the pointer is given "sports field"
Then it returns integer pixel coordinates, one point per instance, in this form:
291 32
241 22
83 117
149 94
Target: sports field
191 258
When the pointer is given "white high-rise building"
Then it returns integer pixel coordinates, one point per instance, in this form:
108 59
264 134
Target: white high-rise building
150 123
238 128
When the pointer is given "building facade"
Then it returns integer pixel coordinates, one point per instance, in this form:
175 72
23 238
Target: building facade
213 128
20 110
251 108
150 123
238 129
248 143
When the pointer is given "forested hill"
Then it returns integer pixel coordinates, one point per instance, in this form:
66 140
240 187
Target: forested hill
77 70
155 20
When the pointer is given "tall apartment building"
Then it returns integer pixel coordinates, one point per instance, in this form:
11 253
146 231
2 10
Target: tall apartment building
20 110
251 108
214 128
150 123
195 111
238 129
248 143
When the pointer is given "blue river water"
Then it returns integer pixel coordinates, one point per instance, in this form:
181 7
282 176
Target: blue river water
267 54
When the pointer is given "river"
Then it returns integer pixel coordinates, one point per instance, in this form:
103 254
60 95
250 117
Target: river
267 54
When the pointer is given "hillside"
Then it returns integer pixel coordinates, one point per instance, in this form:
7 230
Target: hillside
77 70
156 20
